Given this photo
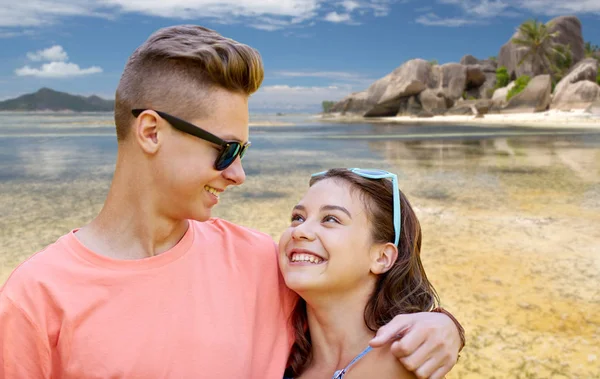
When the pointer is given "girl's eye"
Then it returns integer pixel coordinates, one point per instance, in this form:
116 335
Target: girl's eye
330 218
296 218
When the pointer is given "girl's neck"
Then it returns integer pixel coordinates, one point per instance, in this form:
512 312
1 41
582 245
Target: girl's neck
337 329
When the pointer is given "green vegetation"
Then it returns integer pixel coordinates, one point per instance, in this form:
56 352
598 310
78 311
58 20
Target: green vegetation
562 62
539 43
327 105
598 78
468 97
502 78
591 51
520 85
433 62
47 99
493 58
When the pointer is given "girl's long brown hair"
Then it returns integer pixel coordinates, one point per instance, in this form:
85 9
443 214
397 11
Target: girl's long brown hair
402 289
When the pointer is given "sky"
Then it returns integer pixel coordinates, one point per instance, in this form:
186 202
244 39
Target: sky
313 50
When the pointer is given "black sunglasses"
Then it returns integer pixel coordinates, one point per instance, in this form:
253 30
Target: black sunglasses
230 149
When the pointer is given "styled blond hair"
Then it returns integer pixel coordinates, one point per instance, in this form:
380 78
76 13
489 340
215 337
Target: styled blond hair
175 70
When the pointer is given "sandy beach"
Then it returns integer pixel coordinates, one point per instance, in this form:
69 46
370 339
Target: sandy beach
548 119
269 123
511 236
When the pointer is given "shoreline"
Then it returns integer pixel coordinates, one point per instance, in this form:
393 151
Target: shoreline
548 119
270 123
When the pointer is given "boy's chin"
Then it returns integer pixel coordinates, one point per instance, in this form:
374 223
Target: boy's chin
201 215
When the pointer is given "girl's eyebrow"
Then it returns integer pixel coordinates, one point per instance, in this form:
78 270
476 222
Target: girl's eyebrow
335 207
325 208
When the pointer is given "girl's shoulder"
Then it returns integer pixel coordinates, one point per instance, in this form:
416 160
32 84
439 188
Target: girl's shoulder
379 363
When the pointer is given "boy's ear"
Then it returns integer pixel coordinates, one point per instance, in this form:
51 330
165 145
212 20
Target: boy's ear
146 131
383 257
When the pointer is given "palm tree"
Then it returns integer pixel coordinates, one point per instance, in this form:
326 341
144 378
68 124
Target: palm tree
562 61
539 41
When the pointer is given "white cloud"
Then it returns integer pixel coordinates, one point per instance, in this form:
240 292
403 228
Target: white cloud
52 54
280 13
58 67
431 19
382 8
13 34
336 17
493 8
481 11
350 5
57 70
297 97
482 8
271 23
37 12
561 7
9 34
190 9
267 27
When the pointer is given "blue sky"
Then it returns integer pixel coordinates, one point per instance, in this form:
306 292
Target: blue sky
313 50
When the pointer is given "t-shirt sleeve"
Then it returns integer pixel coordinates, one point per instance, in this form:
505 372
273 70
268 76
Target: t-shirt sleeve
288 301
23 352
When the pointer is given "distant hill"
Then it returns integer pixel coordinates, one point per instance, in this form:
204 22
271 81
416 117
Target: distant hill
48 99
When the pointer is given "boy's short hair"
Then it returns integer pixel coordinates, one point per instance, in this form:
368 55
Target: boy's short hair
176 68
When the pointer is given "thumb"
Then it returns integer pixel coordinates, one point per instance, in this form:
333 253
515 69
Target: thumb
393 330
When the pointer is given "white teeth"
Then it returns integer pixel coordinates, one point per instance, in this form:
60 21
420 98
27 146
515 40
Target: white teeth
297 257
212 190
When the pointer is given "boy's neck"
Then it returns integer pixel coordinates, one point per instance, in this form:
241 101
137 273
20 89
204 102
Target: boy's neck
130 225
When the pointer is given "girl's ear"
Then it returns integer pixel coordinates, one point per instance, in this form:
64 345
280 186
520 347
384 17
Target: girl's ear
383 257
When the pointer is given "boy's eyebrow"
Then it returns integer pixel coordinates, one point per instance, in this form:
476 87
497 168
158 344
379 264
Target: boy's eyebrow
325 208
231 137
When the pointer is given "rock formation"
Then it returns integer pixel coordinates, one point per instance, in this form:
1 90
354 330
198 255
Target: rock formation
420 88
569 33
534 98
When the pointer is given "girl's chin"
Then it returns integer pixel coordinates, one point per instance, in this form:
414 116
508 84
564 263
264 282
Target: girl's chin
303 283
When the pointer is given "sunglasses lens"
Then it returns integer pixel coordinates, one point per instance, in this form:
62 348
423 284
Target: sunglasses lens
227 156
243 151
371 172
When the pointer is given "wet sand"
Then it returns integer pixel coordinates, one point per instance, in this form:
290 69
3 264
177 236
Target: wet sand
511 236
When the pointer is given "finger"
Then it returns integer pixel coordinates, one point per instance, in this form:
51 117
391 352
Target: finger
409 344
397 327
426 370
441 372
412 357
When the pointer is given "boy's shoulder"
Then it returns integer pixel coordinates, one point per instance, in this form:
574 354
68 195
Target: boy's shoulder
29 279
255 251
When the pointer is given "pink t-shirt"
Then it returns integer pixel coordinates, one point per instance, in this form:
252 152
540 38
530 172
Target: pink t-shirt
213 306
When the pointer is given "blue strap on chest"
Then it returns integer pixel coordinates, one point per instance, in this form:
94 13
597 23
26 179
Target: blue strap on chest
339 374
